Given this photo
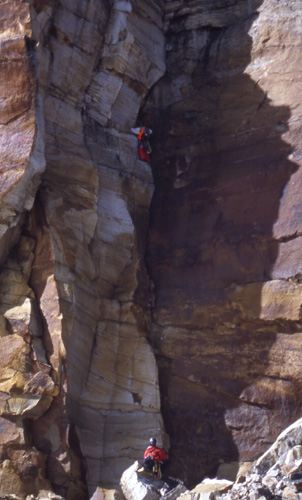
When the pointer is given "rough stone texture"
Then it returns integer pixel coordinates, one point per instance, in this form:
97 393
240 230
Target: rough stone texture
80 319
75 362
138 484
285 442
225 231
102 494
277 474
96 196
209 489
21 126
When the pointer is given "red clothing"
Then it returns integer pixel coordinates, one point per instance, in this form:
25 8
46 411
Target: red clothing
143 152
157 453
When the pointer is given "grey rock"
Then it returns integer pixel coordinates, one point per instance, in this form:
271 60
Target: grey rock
139 485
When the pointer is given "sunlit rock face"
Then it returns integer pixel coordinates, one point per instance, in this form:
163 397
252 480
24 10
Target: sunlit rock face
218 299
79 388
225 232
21 143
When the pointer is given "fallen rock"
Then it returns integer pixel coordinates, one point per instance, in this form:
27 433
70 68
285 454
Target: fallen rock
293 460
139 485
45 495
287 440
103 494
209 489
22 473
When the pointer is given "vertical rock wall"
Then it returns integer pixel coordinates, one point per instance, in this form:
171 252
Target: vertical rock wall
75 293
225 237
79 316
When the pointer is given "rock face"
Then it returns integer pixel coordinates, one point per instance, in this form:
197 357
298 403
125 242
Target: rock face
225 230
74 290
114 271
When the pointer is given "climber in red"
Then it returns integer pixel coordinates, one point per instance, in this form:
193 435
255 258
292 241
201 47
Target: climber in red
155 456
143 145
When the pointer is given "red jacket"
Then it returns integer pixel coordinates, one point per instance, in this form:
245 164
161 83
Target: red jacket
157 453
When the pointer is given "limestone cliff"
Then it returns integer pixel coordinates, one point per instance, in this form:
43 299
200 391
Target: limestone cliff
134 297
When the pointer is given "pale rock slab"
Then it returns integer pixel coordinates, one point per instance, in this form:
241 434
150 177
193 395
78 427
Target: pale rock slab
283 445
138 485
96 65
209 489
224 241
103 494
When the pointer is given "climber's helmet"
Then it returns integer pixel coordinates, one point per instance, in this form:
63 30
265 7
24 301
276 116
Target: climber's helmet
152 441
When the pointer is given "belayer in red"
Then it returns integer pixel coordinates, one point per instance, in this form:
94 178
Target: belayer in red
155 458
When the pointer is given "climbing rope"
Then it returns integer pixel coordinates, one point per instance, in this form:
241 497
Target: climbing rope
140 246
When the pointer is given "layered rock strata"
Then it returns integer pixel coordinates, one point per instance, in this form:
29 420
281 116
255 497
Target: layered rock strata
79 379
219 84
225 238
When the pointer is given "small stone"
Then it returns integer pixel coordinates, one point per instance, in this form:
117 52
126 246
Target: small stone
273 472
294 454
256 478
281 484
290 493
270 482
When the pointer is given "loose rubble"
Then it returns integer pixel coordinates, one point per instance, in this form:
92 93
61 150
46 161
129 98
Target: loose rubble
277 474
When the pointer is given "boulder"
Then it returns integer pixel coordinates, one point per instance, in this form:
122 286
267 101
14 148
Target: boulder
103 494
137 484
288 440
209 489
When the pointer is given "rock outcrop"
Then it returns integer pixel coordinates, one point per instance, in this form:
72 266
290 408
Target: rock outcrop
131 291
137 484
209 489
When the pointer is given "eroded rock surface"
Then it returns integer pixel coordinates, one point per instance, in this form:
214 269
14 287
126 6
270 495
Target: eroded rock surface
137 484
225 231
76 362
81 314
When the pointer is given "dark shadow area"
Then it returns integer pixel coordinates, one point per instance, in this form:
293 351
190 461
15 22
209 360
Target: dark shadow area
220 167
